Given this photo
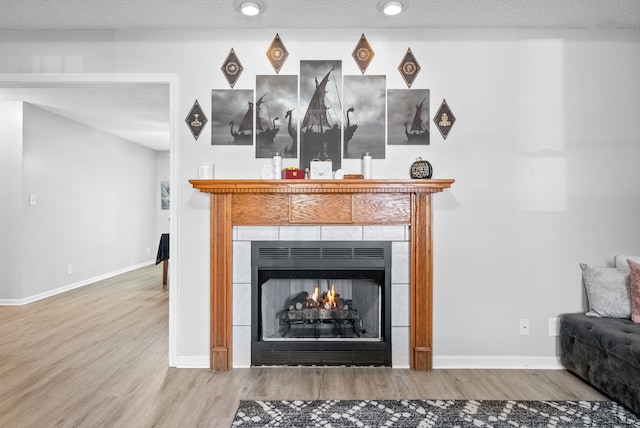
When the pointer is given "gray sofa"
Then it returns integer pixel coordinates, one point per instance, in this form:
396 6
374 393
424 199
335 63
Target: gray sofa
603 345
606 353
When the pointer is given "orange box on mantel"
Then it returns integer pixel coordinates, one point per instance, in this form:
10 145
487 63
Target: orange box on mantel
293 174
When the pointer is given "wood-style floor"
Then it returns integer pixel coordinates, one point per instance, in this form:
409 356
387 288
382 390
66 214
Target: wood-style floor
98 357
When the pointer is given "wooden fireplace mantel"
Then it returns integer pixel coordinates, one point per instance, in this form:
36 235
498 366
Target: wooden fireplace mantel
322 202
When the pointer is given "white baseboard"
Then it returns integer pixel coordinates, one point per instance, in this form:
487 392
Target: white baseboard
497 362
40 296
192 362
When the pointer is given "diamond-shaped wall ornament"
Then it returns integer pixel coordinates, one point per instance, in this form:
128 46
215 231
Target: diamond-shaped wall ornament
444 119
409 68
363 54
277 53
232 68
196 120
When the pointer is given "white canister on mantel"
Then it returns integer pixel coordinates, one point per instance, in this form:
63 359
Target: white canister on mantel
366 166
277 166
205 171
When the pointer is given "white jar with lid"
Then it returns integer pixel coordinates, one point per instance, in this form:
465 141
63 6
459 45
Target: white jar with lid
277 166
366 166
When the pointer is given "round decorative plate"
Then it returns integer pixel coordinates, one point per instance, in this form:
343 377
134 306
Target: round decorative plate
267 172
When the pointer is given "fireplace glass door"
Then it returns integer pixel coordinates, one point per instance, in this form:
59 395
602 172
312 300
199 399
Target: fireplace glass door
320 308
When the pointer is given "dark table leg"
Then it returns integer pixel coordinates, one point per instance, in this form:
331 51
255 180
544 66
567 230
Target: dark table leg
165 269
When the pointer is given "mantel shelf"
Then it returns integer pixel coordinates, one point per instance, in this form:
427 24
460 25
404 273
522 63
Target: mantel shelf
322 202
322 186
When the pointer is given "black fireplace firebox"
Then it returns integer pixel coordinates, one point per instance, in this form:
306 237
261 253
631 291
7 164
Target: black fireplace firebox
321 303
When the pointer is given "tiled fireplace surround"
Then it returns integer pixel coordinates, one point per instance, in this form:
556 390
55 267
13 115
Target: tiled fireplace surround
397 234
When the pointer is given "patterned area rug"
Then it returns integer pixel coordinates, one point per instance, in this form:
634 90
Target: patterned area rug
433 413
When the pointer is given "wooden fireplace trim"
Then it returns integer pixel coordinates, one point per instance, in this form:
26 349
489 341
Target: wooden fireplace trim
321 202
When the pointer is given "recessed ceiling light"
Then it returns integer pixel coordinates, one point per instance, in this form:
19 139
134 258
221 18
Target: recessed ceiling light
391 7
250 8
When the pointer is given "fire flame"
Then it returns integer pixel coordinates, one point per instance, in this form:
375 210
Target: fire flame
330 298
327 301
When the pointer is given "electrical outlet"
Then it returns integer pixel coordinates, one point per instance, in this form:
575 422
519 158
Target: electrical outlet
69 269
32 200
524 326
554 326
148 250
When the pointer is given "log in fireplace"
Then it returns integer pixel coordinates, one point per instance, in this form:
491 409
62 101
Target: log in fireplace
318 202
321 303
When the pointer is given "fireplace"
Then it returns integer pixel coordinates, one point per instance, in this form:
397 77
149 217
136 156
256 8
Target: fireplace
321 303
321 202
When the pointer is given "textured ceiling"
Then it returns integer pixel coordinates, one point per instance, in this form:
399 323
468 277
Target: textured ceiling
141 114
135 112
279 14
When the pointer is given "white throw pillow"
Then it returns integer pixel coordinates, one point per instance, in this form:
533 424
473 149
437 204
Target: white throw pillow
621 262
607 292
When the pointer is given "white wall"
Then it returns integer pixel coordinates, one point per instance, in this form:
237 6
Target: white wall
544 154
12 201
95 203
